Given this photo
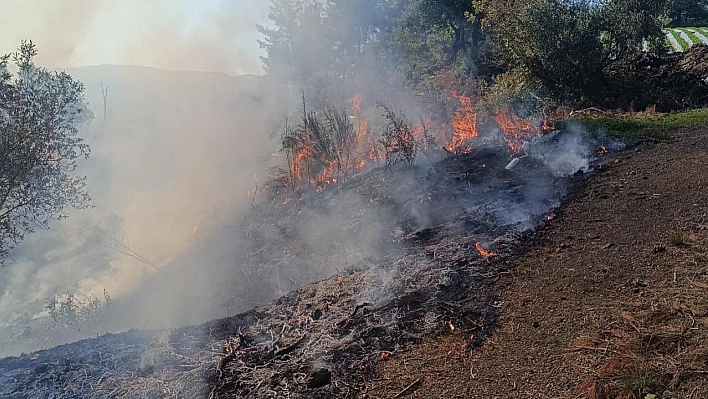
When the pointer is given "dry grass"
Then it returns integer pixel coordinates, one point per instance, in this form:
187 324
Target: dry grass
648 352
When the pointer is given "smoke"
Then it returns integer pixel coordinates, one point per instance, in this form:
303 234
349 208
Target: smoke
177 157
189 35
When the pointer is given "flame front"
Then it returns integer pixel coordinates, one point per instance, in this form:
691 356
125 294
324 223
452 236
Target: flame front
464 123
515 130
310 164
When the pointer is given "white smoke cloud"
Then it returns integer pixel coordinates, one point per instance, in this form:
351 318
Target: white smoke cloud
193 35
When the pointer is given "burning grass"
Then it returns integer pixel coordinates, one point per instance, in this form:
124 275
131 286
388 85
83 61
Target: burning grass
332 145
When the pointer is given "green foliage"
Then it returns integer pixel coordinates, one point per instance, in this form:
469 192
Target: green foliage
513 86
567 45
69 311
40 112
321 46
687 12
677 239
641 125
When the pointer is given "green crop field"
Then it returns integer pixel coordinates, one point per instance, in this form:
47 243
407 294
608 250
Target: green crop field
680 39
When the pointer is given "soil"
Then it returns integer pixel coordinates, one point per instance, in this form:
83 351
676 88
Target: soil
611 301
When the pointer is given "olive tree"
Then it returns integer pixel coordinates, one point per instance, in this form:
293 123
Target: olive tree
40 115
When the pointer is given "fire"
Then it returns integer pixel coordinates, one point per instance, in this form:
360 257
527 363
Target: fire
356 103
484 252
464 123
309 164
287 201
602 150
375 153
515 130
546 126
299 162
550 217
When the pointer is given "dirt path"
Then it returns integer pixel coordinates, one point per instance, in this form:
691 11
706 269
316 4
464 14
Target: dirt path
610 302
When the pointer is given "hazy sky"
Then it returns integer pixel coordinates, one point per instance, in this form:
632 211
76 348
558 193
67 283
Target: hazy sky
202 35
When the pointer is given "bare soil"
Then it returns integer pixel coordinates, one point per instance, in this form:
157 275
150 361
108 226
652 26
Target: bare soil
610 301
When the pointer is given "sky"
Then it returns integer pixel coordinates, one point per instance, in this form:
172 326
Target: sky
192 35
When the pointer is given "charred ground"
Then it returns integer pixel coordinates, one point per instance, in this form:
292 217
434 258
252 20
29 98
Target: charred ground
608 302
413 326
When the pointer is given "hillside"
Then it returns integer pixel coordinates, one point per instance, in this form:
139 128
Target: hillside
606 299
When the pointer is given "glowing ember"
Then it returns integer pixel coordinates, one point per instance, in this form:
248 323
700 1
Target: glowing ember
546 126
464 123
602 150
287 201
550 217
375 154
484 252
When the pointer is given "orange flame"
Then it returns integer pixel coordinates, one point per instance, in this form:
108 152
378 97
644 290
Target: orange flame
464 123
375 153
299 161
356 103
515 130
484 252
603 150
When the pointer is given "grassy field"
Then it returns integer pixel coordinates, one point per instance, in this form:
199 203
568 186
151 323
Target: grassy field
639 125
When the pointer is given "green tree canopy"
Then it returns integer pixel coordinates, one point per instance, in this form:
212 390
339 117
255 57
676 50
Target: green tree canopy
40 112
688 12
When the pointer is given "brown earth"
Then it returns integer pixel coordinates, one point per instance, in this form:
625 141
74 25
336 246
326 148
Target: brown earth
611 301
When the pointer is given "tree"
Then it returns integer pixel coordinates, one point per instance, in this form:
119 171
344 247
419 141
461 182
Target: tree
568 45
40 113
688 12
432 35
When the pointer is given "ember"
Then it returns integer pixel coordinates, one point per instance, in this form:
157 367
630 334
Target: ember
484 252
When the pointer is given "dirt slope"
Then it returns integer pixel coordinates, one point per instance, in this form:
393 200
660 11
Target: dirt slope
610 301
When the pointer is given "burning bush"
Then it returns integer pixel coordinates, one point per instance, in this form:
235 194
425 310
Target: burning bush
399 141
332 144
327 147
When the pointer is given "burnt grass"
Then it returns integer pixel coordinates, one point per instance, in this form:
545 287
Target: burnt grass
423 279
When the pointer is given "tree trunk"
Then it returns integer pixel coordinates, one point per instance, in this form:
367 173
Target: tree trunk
458 43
